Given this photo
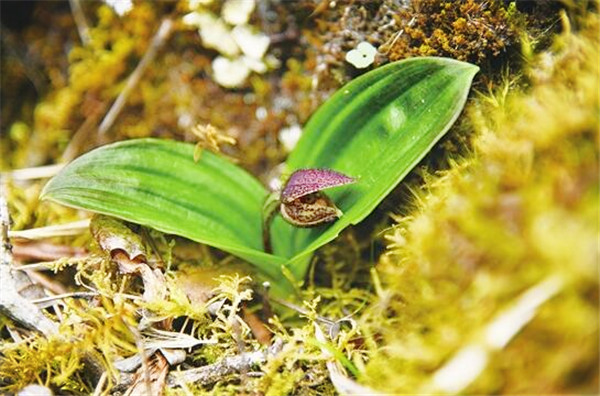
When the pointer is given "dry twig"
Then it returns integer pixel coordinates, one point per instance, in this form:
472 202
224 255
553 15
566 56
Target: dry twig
158 41
12 303
80 137
212 373
466 365
80 21
36 172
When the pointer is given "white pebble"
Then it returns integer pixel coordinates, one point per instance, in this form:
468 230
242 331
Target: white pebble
121 7
253 44
237 12
230 73
363 56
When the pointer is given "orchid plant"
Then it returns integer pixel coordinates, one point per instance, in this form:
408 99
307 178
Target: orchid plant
362 141
302 202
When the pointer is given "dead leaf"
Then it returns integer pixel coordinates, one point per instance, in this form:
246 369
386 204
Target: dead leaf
257 326
153 381
199 283
126 248
115 237
34 250
155 286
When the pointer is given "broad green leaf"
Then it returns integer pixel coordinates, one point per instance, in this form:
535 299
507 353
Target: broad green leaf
376 129
157 183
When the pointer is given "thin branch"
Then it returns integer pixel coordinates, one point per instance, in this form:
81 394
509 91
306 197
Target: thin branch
27 250
80 139
65 295
139 342
50 265
49 284
12 303
158 41
466 365
80 21
212 373
98 389
159 339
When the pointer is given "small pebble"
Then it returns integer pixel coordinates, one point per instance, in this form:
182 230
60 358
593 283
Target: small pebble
363 56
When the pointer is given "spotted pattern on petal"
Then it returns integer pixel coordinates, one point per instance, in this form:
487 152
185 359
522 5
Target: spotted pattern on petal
307 181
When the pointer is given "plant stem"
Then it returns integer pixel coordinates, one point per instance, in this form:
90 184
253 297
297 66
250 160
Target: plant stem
270 207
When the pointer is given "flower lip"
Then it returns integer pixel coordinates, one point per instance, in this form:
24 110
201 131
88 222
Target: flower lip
306 181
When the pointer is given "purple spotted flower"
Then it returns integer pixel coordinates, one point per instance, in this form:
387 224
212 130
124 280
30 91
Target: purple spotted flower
303 203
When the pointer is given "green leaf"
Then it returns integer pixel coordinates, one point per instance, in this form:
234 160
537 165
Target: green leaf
376 129
157 183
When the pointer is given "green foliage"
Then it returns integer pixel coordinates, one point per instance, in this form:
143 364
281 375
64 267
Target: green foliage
375 129
390 118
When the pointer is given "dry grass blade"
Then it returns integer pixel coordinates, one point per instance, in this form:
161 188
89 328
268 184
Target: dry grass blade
66 229
157 339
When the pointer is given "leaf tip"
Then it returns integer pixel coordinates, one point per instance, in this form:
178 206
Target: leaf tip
470 68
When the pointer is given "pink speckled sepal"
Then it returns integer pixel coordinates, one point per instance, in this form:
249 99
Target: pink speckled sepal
307 181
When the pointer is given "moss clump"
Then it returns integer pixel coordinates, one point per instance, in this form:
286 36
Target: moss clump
90 337
484 33
521 208
470 31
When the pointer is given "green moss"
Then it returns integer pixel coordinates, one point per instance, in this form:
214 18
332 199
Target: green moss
522 207
89 333
28 211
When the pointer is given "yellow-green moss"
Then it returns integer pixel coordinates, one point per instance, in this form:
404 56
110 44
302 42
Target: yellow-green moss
94 332
522 207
